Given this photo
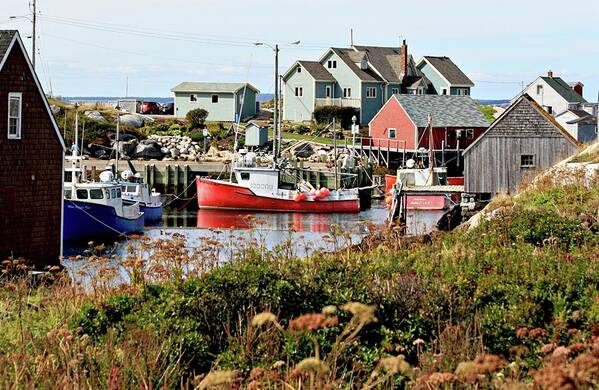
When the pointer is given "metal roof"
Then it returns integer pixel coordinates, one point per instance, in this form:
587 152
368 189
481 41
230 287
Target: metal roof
446 110
211 87
563 89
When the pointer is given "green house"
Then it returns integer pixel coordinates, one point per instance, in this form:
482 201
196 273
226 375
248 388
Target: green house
445 76
225 102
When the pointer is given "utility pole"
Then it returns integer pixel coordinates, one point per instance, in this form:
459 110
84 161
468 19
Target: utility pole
277 135
34 5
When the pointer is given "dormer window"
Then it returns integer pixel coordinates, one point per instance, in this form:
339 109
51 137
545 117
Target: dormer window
15 103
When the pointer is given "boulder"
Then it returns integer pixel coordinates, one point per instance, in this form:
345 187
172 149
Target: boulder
94 115
148 151
136 120
175 152
55 109
126 148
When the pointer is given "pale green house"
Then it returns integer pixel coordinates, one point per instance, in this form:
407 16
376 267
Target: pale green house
363 77
445 76
225 102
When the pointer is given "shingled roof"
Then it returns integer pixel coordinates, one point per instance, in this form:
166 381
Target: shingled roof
563 89
316 70
446 110
6 37
449 70
350 57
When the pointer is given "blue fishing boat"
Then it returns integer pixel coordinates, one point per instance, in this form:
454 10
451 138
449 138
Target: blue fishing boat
136 191
96 209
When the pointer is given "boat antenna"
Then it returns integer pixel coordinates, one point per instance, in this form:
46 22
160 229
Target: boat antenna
118 122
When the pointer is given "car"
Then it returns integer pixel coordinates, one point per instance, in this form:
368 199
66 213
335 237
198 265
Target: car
168 109
150 108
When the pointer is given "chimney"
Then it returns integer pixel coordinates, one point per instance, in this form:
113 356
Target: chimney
550 73
403 51
578 88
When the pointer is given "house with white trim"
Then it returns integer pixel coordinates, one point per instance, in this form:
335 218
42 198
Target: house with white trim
32 153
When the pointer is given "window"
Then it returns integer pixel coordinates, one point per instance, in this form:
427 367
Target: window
470 133
346 92
527 161
299 91
299 69
332 64
549 110
245 176
214 98
96 194
394 91
107 193
193 98
371 92
67 193
118 192
392 133
420 91
539 89
132 189
328 91
81 194
467 92
444 91
113 192
14 115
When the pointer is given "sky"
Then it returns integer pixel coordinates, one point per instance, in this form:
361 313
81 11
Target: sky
97 48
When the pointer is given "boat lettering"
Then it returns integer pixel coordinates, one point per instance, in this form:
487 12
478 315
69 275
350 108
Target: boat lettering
262 186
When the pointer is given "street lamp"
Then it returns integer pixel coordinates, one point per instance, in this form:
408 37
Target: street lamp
354 130
277 125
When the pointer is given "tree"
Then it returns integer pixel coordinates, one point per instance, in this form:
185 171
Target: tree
197 117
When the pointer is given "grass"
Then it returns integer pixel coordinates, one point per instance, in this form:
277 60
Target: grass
489 112
306 137
508 304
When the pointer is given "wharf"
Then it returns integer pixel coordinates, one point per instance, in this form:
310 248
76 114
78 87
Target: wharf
436 189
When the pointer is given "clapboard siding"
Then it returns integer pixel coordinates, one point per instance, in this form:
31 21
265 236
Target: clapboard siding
492 164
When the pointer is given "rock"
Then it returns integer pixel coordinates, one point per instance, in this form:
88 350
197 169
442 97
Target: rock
147 151
164 150
126 148
136 120
175 152
94 115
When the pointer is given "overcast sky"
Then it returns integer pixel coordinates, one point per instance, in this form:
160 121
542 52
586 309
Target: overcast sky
90 48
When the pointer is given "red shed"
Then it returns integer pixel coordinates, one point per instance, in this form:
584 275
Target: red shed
32 154
401 122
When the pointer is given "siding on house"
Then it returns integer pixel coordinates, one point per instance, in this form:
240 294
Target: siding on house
298 108
224 110
249 103
370 106
438 84
32 176
393 116
493 163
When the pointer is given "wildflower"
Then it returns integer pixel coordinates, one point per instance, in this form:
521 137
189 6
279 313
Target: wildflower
418 342
330 309
263 318
312 321
216 378
439 378
577 347
312 364
547 348
278 364
538 333
560 352
395 364
363 313
522 332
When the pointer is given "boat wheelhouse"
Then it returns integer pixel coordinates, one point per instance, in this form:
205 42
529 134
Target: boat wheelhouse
135 190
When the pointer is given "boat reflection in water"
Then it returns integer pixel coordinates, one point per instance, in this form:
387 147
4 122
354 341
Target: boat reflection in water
299 222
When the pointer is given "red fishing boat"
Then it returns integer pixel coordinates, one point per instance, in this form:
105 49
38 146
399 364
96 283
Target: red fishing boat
254 188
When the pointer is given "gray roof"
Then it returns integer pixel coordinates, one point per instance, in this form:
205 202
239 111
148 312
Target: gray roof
350 57
6 37
446 110
211 87
386 60
316 70
563 89
449 70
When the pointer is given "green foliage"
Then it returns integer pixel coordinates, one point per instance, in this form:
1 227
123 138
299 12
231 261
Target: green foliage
196 135
343 115
197 117
488 111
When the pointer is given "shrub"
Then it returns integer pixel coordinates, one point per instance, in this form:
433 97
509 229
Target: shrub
197 117
343 115
196 135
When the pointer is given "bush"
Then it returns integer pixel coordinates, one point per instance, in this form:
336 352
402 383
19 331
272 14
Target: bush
343 115
196 135
197 117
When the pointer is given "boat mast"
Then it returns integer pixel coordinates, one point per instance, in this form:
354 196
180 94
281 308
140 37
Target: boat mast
431 144
118 122
335 153
75 149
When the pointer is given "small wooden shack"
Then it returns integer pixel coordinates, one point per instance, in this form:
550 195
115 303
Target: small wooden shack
32 155
522 141
255 135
